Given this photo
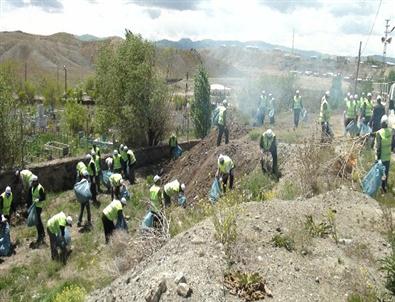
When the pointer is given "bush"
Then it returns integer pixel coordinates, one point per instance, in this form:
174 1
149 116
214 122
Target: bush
288 190
72 293
225 224
258 185
255 134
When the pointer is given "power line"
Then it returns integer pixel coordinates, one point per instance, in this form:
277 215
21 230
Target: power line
374 23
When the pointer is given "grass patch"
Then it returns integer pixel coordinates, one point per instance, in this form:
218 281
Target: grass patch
322 229
284 241
258 185
288 190
255 134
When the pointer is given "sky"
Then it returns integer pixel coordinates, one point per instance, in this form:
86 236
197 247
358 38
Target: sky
328 26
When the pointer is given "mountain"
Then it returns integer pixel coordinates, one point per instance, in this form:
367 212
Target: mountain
88 37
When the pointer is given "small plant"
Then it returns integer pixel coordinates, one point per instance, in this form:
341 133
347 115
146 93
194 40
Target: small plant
322 229
72 293
258 184
288 190
225 224
284 241
388 266
150 180
255 134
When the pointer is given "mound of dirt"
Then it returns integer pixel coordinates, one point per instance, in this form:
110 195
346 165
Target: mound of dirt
319 269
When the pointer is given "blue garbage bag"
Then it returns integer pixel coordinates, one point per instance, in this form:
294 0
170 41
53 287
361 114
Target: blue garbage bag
364 129
121 224
82 191
67 237
182 200
124 192
148 221
177 151
271 113
106 178
32 218
372 181
352 128
215 191
5 240
303 115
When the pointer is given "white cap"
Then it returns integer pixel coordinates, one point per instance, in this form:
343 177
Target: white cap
270 94
263 92
121 146
93 153
34 178
125 148
378 97
297 91
123 200
225 102
348 94
363 93
355 96
115 152
156 178
327 93
8 189
369 94
17 173
221 157
351 97
88 156
69 220
183 187
384 119
269 133
3 219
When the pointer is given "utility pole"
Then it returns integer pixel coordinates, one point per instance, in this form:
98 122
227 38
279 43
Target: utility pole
57 78
65 79
386 40
187 104
359 61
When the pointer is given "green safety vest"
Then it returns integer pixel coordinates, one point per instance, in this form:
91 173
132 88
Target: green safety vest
36 195
266 141
98 163
155 197
7 203
324 113
132 157
117 162
297 102
351 111
368 108
386 143
115 179
97 150
90 171
226 166
26 177
124 155
263 101
55 222
172 188
81 168
173 141
221 116
111 211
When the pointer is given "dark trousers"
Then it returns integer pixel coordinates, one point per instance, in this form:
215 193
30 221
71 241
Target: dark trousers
296 117
88 211
225 178
124 165
108 227
115 192
222 130
367 119
93 188
272 120
167 199
53 245
384 183
39 226
98 178
132 176
173 152
325 132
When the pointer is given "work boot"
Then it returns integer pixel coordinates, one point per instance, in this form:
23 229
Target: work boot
79 224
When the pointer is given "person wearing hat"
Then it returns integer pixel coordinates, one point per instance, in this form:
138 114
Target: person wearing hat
56 226
25 178
97 159
84 205
225 171
325 116
124 161
81 169
7 205
222 125
131 162
378 113
297 106
113 211
37 197
268 143
262 107
116 161
384 145
109 162
155 194
351 111
91 167
173 145
367 109
116 182
171 189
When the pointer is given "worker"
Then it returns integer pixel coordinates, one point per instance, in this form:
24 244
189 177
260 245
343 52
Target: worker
325 116
56 227
268 143
81 169
7 205
367 109
109 162
262 107
124 161
225 171
384 146
95 148
360 102
297 106
378 113
172 189
155 194
116 182
347 97
91 167
271 111
113 211
6 246
84 205
131 163
97 159
222 125
116 160
37 197
173 145
24 177
351 111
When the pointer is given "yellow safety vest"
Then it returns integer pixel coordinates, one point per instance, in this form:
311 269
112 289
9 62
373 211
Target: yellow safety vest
226 166
132 157
351 111
324 112
221 115
81 168
117 162
115 179
297 102
7 201
386 143
266 141
90 170
55 222
98 163
368 108
111 211
155 197
172 188
36 195
26 177
173 141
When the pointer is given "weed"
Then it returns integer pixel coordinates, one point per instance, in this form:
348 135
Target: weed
322 229
258 184
225 224
288 190
255 134
284 241
71 293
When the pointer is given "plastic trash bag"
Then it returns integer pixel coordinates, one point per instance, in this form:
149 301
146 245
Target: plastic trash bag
67 237
182 200
215 191
121 224
271 113
32 219
303 115
148 221
352 128
364 129
5 240
123 191
177 151
372 181
106 178
82 191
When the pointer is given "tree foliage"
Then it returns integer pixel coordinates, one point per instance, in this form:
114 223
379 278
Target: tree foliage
201 107
75 116
131 99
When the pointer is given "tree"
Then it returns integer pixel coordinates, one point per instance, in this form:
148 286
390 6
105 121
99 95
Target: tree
75 116
201 107
132 100
50 91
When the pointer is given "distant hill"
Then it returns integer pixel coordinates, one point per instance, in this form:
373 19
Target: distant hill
89 38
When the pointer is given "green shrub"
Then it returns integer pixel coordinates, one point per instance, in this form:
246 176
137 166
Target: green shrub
288 191
72 293
257 184
284 241
388 266
254 134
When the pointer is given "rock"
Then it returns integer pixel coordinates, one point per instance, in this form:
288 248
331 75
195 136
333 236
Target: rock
297 269
345 241
154 295
184 290
180 278
317 280
128 280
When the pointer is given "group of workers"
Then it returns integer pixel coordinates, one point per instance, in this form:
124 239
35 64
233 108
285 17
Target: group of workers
266 107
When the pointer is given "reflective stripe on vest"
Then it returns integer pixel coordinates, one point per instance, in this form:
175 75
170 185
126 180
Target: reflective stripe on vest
132 157
297 102
90 171
226 166
7 203
351 109
36 195
172 188
117 162
111 211
97 163
386 143
55 222
221 115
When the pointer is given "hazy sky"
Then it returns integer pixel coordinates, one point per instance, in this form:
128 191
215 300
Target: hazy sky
331 26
